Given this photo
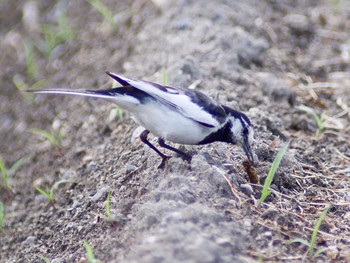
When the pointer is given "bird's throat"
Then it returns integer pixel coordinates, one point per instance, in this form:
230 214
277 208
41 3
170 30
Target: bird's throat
224 134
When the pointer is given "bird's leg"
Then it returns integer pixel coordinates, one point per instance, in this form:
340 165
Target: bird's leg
184 155
143 138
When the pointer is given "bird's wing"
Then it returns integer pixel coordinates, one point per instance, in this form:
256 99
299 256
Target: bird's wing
192 104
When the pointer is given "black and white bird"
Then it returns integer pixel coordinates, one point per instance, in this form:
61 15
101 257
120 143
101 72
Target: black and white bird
178 115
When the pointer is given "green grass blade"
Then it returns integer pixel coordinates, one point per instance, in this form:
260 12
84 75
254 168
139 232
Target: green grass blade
49 38
165 79
53 138
45 259
265 191
47 195
16 165
29 54
19 83
116 113
44 134
2 216
65 32
89 253
311 111
22 86
55 185
300 240
3 169
108 208
54 35
316 229
4 172
39 84
103 10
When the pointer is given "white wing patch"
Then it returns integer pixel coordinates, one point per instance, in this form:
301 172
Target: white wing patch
175 99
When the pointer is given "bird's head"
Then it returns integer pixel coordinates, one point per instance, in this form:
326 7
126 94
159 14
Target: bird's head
242 133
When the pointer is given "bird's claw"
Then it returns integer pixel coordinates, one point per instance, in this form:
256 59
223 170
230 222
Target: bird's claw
186 157
164 162
165 158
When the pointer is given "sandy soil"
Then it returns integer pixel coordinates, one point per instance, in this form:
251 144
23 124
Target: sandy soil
265 58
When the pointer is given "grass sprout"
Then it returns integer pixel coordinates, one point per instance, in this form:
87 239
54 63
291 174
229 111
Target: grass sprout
2 216
54 138
54 35
45 259
319 120
8 172
22 86
116 113
65 32
29 54
107 216
312 243
265 191
89 253
108 207
4 173
49 194
165 79
104 11
337 6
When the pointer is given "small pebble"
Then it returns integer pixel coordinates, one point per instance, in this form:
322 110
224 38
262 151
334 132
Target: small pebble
247 189
29 240
182 25
71 225
40 198
74 205
57 260
129 168
68 175
101 192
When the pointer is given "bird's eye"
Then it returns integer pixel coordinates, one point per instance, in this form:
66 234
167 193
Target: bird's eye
245 131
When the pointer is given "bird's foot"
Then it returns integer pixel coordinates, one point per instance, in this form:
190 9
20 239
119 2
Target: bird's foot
164 162
186 157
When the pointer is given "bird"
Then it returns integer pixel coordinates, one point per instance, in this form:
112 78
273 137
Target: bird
174 114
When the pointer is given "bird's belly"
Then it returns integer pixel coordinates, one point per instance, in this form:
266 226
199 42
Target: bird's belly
169 124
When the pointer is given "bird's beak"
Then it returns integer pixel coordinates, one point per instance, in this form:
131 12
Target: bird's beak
248 152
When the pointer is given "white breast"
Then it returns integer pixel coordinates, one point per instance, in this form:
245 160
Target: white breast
169 124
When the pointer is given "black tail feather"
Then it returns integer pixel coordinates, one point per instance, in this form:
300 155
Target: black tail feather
118 79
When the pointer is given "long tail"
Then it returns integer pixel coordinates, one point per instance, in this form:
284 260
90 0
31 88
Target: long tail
126 96
104 94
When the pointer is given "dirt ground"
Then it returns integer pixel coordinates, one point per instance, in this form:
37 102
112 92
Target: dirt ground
265 58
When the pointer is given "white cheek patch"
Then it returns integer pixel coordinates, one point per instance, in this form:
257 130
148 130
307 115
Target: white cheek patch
237 129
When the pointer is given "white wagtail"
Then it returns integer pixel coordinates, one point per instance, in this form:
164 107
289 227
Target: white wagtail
178 115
